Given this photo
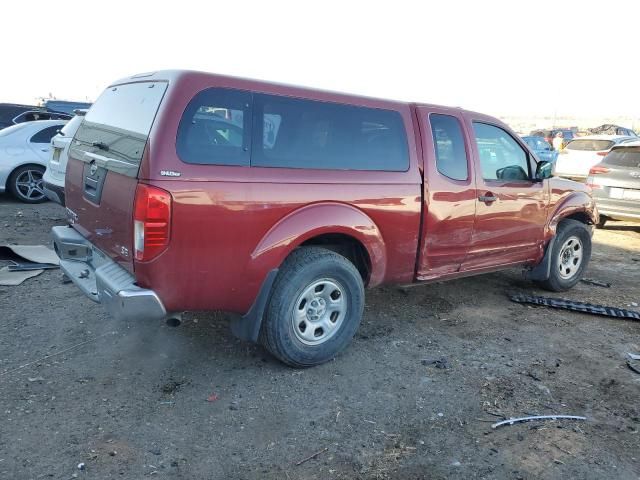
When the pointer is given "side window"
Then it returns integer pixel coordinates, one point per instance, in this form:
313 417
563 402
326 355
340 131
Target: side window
451 155
45 135
215 128
297 133
501 157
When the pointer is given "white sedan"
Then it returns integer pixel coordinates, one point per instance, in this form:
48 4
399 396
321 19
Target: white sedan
24 152
582 153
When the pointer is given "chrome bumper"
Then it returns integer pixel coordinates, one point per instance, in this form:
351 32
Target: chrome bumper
103 280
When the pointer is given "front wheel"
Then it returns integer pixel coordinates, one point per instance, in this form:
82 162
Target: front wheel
315 307
570 256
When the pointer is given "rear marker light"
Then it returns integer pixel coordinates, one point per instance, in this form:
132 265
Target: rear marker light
602 154
151 222
596 170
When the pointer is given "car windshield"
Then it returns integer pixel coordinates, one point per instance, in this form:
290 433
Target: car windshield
590 145
624 157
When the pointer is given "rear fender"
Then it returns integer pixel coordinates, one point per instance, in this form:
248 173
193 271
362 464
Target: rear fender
314 220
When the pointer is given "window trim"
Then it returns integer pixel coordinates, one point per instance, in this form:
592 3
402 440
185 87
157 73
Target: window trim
464 141
526 151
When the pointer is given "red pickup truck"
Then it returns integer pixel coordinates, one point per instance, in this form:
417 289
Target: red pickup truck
194 191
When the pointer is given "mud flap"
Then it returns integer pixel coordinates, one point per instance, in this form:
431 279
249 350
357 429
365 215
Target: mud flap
542 271
248 326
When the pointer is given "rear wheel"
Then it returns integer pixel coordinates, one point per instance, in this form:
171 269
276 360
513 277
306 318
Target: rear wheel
315 307
570 256
26 184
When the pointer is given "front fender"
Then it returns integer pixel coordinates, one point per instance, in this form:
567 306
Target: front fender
576 202
319 219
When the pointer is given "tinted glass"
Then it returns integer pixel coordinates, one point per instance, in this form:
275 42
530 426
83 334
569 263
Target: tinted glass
45 135
298 133
501 157
589 145
118 124
215 128
624 157
451 155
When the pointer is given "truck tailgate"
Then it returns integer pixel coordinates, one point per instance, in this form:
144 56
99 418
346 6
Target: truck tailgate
104 160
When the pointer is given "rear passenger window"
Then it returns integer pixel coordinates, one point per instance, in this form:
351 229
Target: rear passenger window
215 128
45 136
451 155
501 157
297 133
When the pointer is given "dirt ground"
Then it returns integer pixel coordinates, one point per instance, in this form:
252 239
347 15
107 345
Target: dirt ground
142 400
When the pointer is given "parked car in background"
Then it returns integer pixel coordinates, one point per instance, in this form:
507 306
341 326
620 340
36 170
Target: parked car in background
66 106
611 129
542 148
615 183
194 191
53 180
583 153
13 114
568 134
24 153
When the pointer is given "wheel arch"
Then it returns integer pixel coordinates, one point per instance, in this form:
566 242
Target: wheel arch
336 226
578 206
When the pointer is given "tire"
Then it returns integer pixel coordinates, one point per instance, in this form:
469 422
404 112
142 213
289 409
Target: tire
602 221
570 256
25 183
315 307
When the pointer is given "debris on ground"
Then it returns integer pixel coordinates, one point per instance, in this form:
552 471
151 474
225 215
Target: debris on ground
597 283
311 457
633 356
633 367
212 398
81 466
441 363
575 306
27 261
511 421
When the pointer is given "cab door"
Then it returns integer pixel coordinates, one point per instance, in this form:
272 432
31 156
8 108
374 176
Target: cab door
511 205
449 194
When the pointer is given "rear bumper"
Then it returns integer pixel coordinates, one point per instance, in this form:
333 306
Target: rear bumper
53 192
617 209
103 280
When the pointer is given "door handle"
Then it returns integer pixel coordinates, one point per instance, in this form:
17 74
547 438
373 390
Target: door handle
487 198
44 149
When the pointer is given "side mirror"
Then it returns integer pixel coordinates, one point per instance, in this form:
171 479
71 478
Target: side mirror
544 170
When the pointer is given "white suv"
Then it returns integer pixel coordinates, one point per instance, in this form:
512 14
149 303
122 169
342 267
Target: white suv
53 179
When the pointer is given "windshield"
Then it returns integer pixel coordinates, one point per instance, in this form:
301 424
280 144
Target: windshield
590 145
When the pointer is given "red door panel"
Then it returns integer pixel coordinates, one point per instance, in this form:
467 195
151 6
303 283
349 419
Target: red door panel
449 203
511 207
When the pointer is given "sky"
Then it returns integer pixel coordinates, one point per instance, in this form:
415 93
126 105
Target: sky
560 57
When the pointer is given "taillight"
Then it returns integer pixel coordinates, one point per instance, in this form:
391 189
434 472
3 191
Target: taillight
597 169
151 222
602 154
